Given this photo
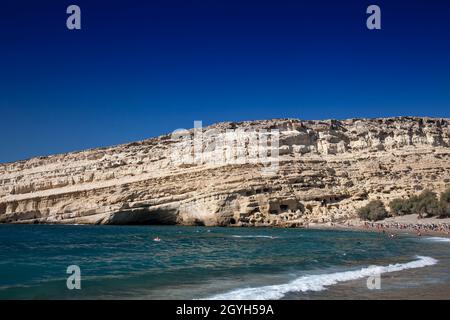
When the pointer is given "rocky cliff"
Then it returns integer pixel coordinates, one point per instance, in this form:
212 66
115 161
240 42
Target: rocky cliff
326 169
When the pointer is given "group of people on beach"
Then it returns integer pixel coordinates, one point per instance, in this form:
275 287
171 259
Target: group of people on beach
418 228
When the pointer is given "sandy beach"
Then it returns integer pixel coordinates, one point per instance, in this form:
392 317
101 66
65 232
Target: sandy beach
407 224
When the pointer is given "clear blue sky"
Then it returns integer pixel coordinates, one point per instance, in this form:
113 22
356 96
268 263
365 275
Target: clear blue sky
138 69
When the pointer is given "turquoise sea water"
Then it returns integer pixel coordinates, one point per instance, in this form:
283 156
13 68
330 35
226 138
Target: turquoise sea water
123 262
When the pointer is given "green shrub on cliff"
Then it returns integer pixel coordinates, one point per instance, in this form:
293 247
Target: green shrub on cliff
373 211
445 196
399 207
426 204
445 203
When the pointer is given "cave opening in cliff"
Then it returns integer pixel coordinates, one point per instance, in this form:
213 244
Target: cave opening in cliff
199 223
145 216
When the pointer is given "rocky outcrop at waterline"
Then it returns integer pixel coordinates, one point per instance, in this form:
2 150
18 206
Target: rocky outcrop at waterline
325 171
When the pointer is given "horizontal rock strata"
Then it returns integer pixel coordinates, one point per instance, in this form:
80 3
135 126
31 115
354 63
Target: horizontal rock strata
326 170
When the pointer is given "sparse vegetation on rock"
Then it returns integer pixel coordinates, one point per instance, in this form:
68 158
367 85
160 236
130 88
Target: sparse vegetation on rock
373 211
445 203
426 204
399 207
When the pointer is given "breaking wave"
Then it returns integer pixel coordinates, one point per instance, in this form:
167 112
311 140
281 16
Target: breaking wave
255 236
319 282
438 239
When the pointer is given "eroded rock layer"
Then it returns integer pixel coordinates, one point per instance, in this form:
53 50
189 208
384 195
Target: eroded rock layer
327 169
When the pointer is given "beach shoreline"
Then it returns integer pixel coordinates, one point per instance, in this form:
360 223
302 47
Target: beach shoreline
383 226
279 257
409 224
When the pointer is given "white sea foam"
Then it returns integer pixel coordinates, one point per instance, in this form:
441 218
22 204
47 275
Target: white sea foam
255 236
438 239
319 282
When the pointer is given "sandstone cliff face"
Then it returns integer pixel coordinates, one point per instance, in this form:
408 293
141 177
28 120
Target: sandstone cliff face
327 169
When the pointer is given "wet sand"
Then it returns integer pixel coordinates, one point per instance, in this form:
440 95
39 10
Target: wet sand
346 291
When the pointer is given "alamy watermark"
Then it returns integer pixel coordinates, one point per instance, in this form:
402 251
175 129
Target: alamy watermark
74 280
73 21
374 20
229 147
374 281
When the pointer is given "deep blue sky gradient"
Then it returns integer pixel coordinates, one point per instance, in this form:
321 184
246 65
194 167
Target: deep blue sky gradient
138 69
